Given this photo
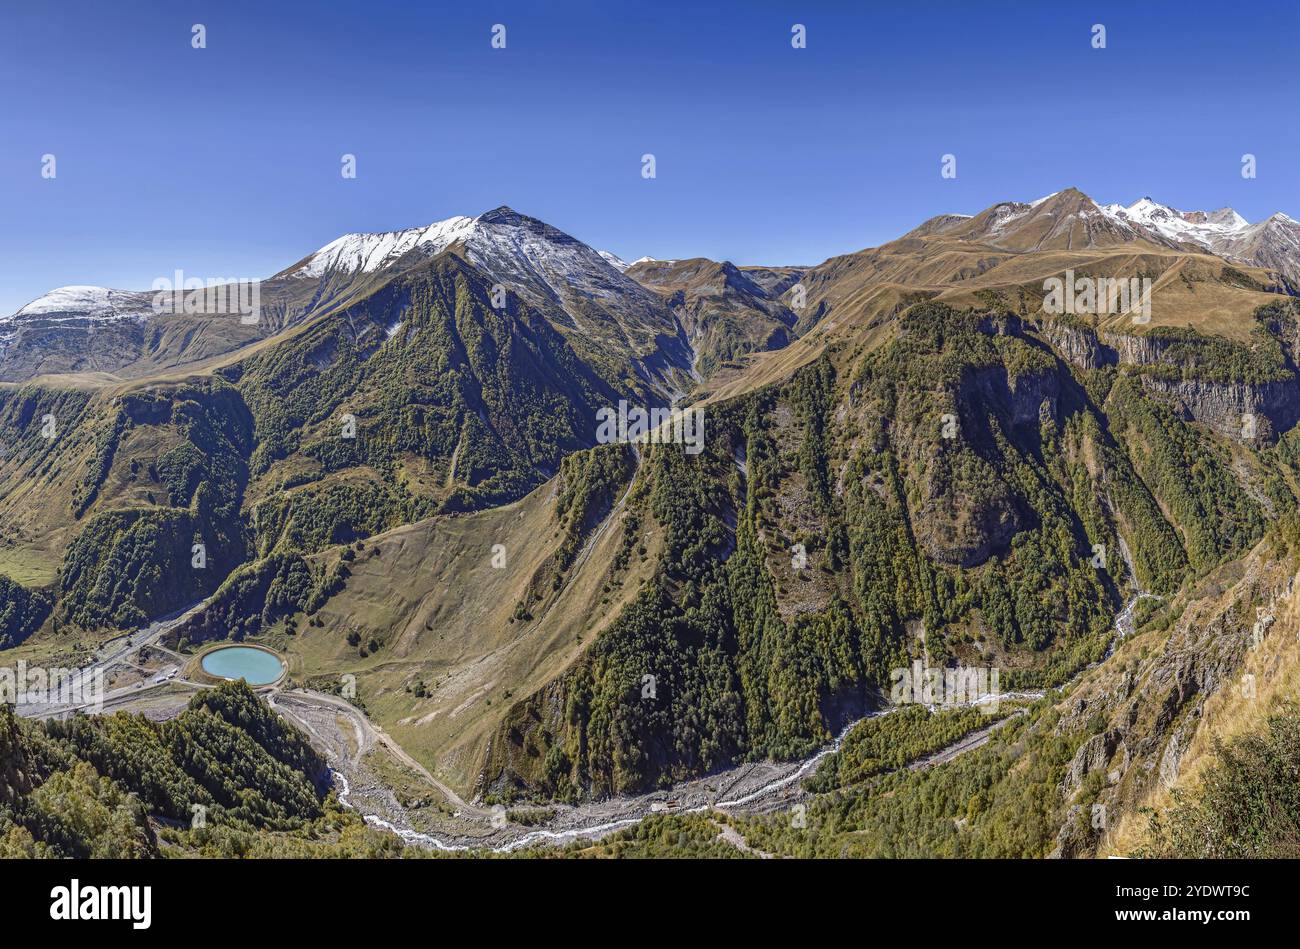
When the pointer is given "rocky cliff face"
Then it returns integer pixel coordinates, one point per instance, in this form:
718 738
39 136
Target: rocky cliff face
1022 396
36 346
1033 398
1078 345
1083 347
1252 412
1234 410
1132 350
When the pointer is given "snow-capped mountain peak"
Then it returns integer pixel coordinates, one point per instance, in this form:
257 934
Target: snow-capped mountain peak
370 252
535 259
541 262
1204 228
540 265
493 236
1273 244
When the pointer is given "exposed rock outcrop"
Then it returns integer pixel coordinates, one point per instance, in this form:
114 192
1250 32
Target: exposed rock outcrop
1244 411
1152 695
1235 410
1024 399
1078 345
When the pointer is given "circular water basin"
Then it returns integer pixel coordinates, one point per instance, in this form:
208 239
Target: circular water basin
255 666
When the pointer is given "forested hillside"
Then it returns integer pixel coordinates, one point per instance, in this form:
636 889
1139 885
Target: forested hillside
962 494
409 491
102 787
423 398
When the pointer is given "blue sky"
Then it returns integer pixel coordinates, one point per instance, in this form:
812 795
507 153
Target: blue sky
225 161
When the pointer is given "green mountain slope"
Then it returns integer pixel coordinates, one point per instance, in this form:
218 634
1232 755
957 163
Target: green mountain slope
964 496
923 468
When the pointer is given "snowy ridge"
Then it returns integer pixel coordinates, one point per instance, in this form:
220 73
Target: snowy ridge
579 288
1144 218
75 308
73 303
1069 219
500 237
576 288
370 252
615 261
541 263
1205 228
1008 213
1273 243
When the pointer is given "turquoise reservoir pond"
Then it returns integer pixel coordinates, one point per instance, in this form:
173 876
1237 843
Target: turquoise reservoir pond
254 666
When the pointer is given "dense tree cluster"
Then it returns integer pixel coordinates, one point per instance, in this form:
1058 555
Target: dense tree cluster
87 787
889 742
256 595
22 611
999 800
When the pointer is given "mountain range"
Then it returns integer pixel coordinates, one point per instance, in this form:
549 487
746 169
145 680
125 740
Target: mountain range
397 483
680 320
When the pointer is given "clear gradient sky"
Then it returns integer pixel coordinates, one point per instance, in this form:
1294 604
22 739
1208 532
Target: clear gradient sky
225 161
